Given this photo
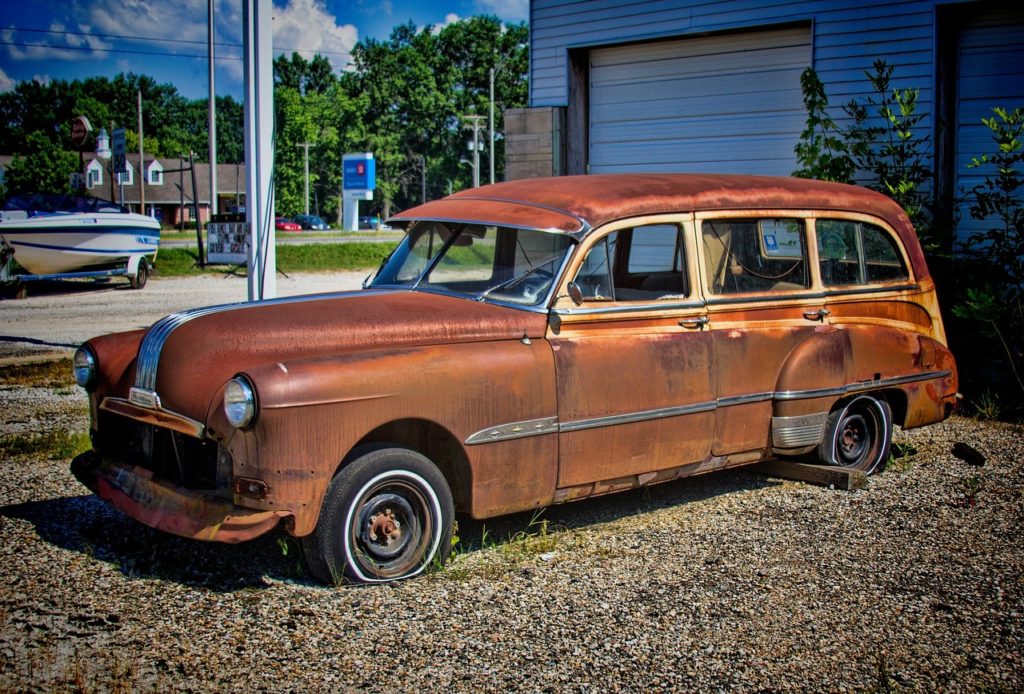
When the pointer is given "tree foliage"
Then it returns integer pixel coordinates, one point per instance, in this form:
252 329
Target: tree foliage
404 99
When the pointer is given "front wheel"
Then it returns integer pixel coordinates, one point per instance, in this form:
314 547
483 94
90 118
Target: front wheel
386 516
858 435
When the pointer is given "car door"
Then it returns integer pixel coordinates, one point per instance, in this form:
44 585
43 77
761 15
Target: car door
633 363
756 277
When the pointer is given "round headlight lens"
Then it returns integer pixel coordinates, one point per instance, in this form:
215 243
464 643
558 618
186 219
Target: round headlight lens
84 367
239 402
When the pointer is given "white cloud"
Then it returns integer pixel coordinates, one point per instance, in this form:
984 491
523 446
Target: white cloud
449 18
307 27
41 79
61 43
508 10
6 83
181 19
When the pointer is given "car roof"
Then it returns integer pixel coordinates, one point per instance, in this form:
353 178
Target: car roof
575 204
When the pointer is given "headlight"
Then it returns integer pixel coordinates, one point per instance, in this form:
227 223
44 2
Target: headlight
84 367
239 402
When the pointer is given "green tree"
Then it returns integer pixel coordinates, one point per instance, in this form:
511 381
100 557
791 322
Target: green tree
42 168
821 152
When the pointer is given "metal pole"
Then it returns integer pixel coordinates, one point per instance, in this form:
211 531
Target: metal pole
142 163
212 119
423 178
490 151
474 123
259 147
305 166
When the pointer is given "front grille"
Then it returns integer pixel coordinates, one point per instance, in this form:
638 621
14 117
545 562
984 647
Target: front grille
196 464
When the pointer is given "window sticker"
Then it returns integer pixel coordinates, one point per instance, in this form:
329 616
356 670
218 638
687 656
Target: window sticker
780 238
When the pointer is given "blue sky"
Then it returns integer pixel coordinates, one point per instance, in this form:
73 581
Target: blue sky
166 39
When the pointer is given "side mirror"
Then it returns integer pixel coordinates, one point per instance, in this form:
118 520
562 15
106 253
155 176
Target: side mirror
575 293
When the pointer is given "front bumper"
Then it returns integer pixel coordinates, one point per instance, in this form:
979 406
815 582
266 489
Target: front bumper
168 507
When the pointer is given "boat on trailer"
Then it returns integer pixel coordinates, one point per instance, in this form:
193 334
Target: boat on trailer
63 237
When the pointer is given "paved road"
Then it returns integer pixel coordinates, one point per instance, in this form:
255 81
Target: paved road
58 316
298 239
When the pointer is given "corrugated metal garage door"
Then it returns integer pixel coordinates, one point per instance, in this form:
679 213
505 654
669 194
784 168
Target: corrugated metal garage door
711 104
991 55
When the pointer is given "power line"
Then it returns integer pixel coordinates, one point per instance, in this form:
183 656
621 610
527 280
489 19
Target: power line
128 37
113 50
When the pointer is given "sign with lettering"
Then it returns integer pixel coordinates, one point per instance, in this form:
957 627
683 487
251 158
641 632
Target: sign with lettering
119 145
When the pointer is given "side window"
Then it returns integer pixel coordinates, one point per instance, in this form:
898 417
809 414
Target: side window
854 253
754 255
595 275
644 263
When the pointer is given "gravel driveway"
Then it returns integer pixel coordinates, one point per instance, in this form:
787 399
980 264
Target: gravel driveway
728 582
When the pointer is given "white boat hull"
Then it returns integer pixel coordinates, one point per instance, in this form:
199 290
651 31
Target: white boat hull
59 243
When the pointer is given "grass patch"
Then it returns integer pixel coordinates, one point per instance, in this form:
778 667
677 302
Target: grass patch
55 445
901 457
314 257
501 557
52 374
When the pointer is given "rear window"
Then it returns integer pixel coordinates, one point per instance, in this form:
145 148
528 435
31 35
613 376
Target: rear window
856 253
754 255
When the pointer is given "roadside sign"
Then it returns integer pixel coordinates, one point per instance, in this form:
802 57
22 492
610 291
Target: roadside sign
119 145
359 172
80 128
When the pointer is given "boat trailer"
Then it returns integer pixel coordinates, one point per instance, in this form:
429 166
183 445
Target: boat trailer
136 268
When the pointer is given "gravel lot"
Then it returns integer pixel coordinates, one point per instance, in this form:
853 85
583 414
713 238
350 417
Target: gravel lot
731 581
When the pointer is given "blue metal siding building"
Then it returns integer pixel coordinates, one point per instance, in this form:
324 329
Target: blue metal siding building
690 85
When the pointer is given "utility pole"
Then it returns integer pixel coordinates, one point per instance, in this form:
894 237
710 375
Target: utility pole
305 165
423 178
142 163
493 72
474 124
212 115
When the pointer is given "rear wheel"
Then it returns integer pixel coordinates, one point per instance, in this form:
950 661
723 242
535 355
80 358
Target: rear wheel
386 516
858 435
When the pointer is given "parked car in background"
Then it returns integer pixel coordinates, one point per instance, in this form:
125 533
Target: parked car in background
285 224
527 343
310 221
369 222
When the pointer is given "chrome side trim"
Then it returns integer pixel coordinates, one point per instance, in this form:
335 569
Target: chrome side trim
156 337
632 417
746 399
860 386
787 432
911 286
798 432
516 430
656 305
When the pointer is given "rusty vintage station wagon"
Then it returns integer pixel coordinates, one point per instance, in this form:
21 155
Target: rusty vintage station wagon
527 343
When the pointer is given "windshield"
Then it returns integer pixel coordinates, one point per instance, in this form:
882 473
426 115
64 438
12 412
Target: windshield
482 262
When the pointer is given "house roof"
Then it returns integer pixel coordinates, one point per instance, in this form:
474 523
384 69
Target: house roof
230 181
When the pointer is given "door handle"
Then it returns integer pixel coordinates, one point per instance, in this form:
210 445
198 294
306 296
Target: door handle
694 323
819 315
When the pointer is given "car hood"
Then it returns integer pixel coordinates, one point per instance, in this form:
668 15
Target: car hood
200 353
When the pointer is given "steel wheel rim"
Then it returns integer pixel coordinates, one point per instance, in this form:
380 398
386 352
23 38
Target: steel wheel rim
392 528
859 437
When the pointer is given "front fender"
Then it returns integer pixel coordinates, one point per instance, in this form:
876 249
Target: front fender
312 412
